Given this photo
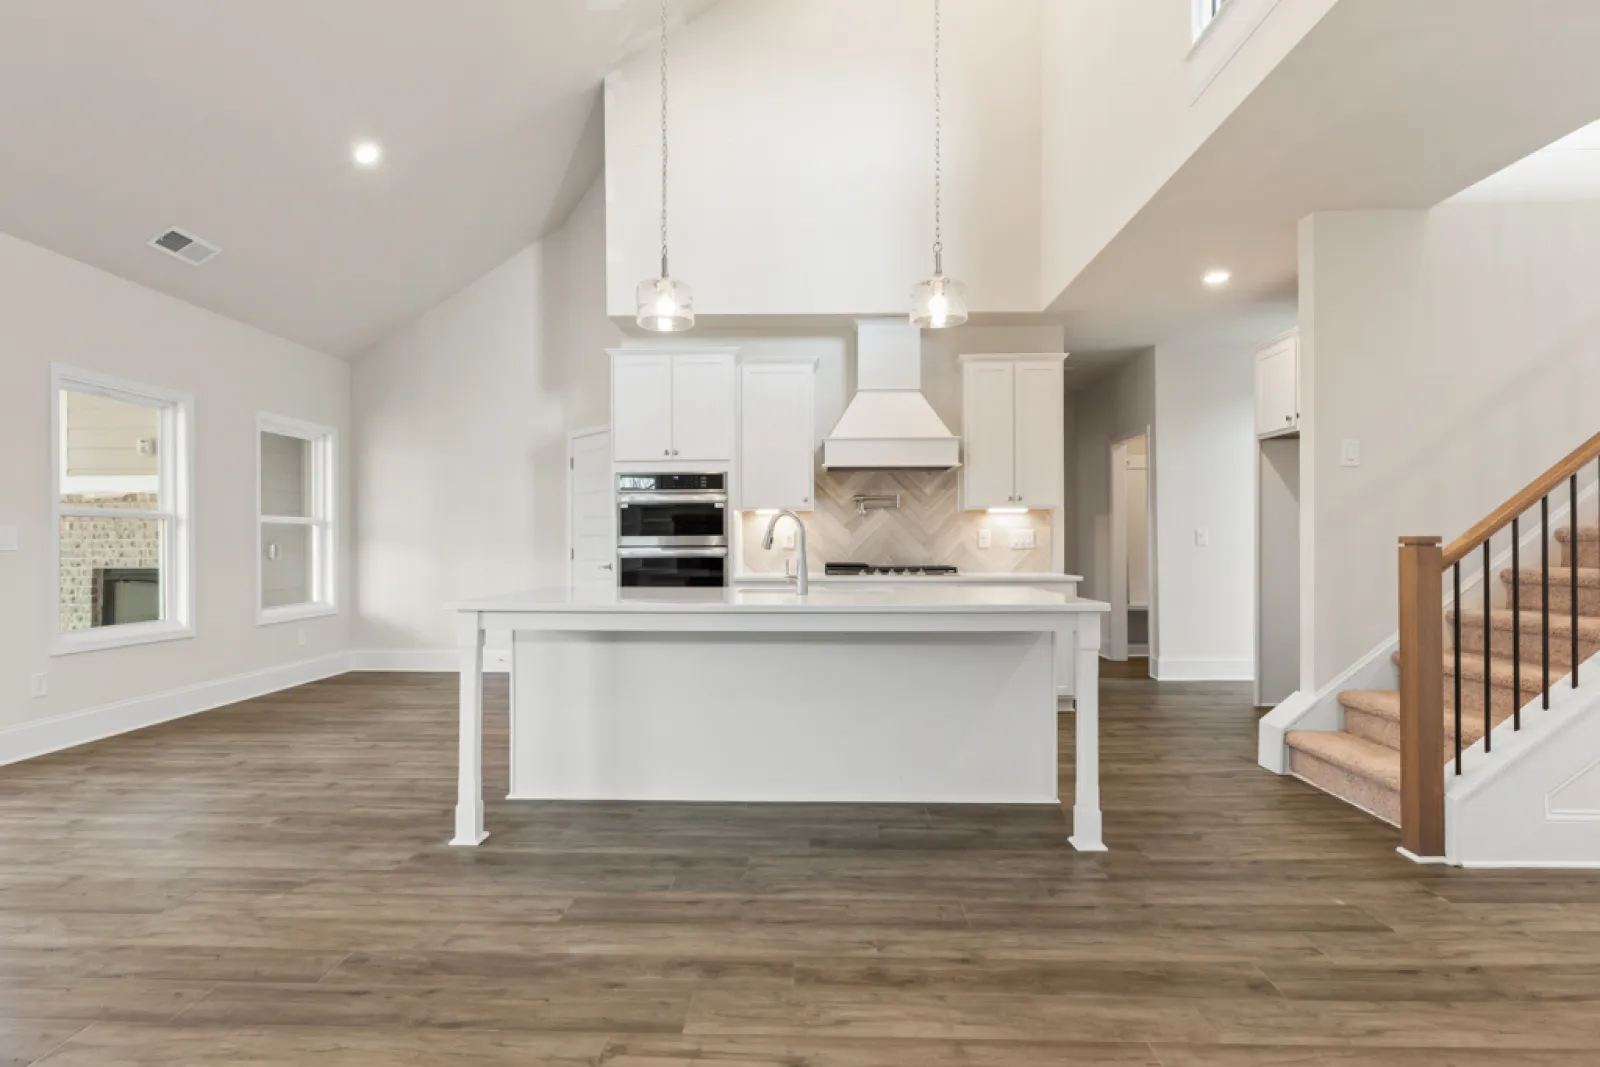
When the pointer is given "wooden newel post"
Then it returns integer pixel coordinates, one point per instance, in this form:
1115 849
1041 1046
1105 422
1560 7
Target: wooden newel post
1422 696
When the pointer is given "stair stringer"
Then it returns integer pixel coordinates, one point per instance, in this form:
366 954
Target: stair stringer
1534 801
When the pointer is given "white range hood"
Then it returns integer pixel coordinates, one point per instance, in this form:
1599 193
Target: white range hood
890 425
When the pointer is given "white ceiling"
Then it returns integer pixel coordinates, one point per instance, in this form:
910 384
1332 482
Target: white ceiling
1383 105
234 120
1564 171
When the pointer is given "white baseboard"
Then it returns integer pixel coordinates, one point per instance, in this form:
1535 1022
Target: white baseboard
425 660
1166 669
44 736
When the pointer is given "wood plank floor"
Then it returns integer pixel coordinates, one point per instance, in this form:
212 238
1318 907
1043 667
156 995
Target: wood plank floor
268 885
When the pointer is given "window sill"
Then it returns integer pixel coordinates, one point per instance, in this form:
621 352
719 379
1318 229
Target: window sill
106 637
294 613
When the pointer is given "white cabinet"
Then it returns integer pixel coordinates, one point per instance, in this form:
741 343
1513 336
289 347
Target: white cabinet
1278 386
1012 432
777 434
671 407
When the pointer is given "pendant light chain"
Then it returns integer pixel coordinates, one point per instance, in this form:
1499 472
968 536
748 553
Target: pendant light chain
664 138
938 161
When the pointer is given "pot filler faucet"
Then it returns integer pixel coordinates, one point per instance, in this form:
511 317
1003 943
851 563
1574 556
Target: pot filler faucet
800 571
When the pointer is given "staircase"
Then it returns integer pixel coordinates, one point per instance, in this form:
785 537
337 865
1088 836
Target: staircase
1362 763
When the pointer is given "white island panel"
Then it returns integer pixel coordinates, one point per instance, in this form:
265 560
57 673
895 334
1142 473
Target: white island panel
883 717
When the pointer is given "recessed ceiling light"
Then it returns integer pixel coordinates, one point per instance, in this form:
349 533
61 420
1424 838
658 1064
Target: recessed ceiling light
1217 278
367 153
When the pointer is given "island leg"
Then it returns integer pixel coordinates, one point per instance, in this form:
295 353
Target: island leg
1086 698
469 785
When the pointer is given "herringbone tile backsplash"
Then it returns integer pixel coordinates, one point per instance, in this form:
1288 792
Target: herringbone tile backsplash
926 528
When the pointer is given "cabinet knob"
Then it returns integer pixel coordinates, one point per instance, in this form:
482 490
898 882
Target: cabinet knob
1288 418
674 451
666 451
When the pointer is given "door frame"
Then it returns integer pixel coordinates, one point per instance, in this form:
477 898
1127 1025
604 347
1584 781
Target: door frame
572 468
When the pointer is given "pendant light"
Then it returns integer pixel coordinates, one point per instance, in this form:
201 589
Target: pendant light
938 302
664 305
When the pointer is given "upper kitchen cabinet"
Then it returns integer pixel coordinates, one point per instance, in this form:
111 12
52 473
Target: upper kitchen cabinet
672 407
1012 431
777 434
1278 386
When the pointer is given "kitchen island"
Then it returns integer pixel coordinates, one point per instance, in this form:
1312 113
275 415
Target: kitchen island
892 694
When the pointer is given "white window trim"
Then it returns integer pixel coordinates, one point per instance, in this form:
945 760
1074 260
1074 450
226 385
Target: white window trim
324 441
1219 38
176 457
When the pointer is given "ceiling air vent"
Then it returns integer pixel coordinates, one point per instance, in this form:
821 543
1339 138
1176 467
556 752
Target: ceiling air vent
185 246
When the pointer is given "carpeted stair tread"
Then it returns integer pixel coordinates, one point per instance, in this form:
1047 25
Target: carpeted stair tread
1560 577
1384 702
1585 533
1382 706
1364 759
1532 622
1502 674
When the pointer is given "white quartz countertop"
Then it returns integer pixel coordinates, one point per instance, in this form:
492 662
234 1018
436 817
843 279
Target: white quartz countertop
974 578
920 597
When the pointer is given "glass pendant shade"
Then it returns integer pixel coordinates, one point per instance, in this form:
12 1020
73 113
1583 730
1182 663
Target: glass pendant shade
938 302
665 305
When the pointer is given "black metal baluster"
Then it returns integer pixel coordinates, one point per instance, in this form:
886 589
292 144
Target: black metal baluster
1544 592
1572 551
1488 648
1457 614
1516 624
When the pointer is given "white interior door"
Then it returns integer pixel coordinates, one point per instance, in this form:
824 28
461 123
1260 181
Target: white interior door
592 509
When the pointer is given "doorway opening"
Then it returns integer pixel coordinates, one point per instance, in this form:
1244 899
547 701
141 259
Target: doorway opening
1130 623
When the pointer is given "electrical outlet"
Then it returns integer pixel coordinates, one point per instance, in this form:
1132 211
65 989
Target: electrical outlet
8 539
1350 453
985 538
300 635
1022 539
1202 537
788 538
40 686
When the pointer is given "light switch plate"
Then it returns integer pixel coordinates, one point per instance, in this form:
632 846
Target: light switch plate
1022 539
788 538
1202 538
1350 452
985 538
9 539
39 686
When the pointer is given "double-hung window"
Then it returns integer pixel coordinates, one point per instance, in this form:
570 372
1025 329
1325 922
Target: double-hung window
296 537
123 544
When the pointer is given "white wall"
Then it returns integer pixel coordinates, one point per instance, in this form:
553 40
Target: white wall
1205 474
55 309
802 157
1461 347
461 422
1123 108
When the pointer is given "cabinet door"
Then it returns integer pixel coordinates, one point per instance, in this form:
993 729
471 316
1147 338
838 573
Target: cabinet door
1040 438
702 407
641 408
988 425
777 441
1277 389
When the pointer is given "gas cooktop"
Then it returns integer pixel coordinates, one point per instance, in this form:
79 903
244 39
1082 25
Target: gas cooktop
897 570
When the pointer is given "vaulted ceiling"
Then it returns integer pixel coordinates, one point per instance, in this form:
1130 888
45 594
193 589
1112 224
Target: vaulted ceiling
234 120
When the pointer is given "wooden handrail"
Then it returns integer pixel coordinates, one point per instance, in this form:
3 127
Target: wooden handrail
1541 487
